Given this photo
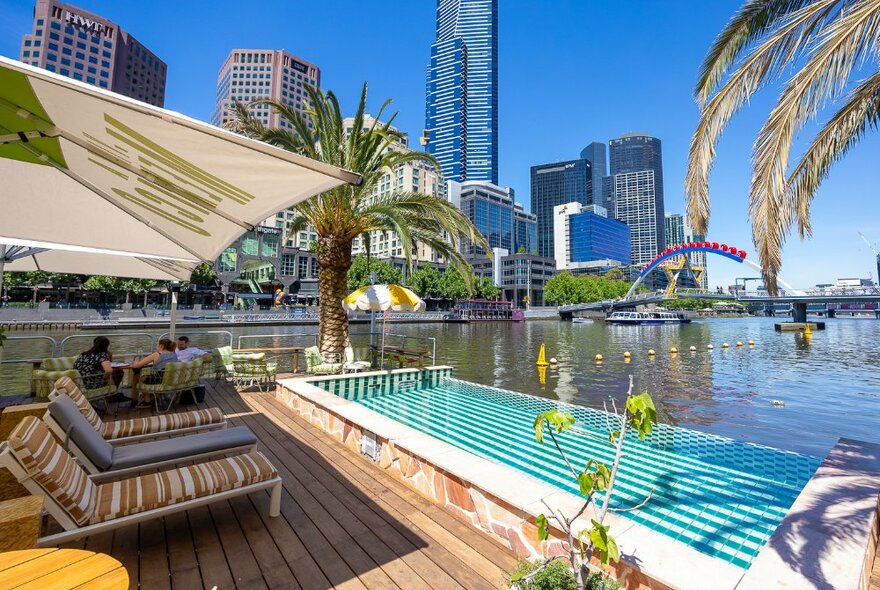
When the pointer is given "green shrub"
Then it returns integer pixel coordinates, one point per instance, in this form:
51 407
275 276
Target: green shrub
600 582
556 576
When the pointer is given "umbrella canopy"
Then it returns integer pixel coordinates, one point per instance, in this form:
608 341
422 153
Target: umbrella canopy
383 297
86 167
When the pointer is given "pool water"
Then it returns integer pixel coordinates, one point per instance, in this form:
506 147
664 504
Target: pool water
722 497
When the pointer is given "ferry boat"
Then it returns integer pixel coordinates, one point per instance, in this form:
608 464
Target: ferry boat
483 310
646 317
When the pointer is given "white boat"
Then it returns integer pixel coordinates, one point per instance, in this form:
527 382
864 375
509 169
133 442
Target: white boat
638 318
581 321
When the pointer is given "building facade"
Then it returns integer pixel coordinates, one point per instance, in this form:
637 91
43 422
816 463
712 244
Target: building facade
523 277
556 184
490 208
526 231
585 237
597 155
674 229
634 153
250 74
635 198
679 231
85 46
461 107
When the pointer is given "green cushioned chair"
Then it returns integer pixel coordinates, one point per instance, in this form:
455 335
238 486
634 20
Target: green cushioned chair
222 358
253 368
316 364
52 369
176 377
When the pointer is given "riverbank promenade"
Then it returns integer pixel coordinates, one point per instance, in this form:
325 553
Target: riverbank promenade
344 524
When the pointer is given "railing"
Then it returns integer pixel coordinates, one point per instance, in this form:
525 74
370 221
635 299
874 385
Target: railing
17 358
275 338
400 340
145 342
227 336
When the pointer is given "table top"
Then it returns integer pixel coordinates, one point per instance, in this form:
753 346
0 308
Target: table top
60 569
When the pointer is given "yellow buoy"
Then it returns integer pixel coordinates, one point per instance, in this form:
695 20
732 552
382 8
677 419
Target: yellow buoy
553 360
542 361
807 331
725 345
626 355
599 358
751 342
651 352
542 375
739 343
710 347
693 349
673 350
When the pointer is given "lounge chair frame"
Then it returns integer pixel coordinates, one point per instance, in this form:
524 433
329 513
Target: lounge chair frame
73 531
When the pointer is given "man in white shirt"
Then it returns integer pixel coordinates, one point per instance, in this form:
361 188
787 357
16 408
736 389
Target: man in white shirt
185 352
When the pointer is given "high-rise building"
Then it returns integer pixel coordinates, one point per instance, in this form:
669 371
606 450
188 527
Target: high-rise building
585 237
84 46
494 213
250 74
461 110
679 231
674 229
556 184
634 153
597 155
635 196
525 230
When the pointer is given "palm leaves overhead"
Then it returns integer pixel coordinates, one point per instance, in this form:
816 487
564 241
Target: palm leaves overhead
373 149
825 43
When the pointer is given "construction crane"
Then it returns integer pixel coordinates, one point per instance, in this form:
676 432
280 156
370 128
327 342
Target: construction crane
876 254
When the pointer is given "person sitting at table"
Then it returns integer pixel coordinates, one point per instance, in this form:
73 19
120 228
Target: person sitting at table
157 360
94 365
186 353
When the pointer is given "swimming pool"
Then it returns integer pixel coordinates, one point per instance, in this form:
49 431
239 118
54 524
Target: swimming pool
722 497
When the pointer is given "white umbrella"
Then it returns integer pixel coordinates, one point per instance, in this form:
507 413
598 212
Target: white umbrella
383 298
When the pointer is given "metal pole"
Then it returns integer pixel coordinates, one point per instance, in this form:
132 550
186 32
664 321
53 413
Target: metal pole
2 266
175 288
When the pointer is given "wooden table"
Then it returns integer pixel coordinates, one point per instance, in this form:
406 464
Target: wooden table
60 569
294 349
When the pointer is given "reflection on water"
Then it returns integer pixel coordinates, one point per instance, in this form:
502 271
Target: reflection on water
829 383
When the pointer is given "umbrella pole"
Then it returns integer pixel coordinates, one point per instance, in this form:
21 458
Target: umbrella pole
175 288
2 266
382 352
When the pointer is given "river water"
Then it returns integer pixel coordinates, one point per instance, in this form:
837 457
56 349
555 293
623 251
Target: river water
829 384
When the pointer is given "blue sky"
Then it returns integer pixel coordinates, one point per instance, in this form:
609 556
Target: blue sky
571 71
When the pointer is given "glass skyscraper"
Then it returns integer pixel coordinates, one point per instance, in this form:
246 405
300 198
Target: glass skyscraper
494 213
641 204
557 184
597 155
595 237
461 110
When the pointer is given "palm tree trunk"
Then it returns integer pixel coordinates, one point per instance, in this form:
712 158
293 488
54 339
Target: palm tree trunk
334 260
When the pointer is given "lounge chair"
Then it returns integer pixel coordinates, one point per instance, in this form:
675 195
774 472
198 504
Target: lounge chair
222 358
176 377
316 364
140 429
99 456
352 366
83 505
253 368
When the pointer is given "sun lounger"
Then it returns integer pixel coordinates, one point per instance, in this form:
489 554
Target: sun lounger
138 429
83 507
99 456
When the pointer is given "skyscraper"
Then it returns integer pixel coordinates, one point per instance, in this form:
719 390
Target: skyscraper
596 155
84 46
249 74
674 229
461 110
679 231
556 184
585 238
631 155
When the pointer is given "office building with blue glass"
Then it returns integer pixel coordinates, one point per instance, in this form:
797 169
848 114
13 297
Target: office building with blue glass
593 237
556 184
461 110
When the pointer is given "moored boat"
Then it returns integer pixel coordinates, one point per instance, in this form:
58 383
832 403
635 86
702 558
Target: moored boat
637 318
482 310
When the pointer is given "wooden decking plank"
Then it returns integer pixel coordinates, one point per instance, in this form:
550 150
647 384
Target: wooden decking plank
209 551
481 544
266 552
153 548
125 550
317 520
182 558
245 570
464 552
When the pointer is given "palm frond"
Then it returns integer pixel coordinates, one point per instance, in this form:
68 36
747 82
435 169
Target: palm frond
753 20
840 46
782 45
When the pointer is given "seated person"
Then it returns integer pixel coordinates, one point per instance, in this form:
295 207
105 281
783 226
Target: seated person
186 353
94 364
157 360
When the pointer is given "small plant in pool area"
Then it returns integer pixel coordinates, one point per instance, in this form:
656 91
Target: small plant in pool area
638 414
556 575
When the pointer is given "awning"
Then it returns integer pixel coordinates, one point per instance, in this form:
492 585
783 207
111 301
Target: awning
86 167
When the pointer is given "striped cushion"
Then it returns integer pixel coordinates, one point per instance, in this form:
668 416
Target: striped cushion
163 423
45 380
53 469
68 386
148 492
58 363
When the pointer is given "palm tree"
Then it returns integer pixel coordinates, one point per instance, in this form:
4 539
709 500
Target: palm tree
828 43
342 214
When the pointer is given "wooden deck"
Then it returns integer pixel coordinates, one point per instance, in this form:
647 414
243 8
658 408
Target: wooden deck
344 524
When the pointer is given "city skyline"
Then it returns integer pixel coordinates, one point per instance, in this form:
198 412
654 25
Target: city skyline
666 45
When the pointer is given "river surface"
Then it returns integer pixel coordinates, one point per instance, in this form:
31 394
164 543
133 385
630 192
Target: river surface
829 384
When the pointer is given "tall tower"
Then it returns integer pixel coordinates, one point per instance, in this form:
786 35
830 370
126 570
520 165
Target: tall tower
461 109
556 184
630 156
597 155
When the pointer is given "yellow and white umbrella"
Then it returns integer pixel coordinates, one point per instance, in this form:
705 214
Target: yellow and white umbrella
383 298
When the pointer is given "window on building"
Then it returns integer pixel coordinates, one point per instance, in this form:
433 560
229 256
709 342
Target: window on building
50 67
27 42
68 41
250 244
52 57
55 26
53 46
270 245
303 267
288 264
80 45
227 260
64 72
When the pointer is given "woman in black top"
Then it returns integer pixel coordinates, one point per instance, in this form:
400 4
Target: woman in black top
94 364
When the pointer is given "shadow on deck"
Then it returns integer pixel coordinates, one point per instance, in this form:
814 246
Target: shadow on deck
344 523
